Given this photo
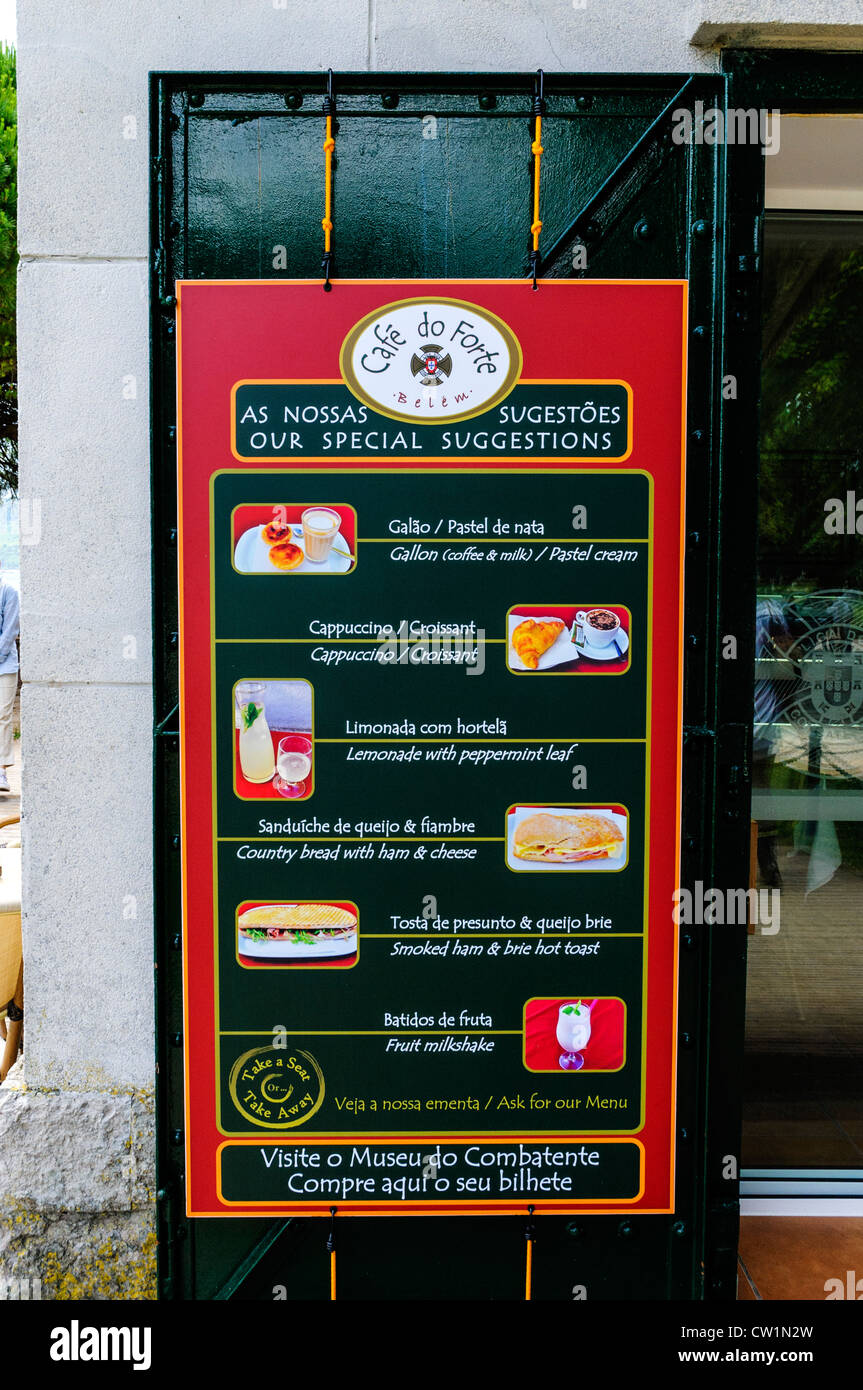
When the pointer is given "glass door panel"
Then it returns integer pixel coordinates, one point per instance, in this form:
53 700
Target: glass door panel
804 1031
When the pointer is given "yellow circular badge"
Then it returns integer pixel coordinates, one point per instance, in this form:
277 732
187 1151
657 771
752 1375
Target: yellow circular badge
276 1088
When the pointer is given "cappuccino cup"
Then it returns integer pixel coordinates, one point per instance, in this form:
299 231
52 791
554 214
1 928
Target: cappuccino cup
600 626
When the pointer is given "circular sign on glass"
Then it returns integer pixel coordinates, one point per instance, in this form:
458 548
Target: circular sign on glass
427 361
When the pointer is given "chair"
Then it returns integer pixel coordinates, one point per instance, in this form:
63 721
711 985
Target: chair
11 956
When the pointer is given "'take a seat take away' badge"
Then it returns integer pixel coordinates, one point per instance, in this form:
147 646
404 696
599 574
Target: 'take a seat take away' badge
276 1087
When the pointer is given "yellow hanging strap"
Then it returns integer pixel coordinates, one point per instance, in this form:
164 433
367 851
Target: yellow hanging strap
329 147
530 1237
536 151
331 1247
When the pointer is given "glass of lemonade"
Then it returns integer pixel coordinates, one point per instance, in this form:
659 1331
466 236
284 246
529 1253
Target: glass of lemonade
293 765
255 743
320 528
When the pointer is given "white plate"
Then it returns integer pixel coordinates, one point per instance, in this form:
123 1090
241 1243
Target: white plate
252 555
592 866
609 653
298 950
560 651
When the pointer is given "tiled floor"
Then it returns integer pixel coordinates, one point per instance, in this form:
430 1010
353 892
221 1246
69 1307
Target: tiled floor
803 1080
793 1257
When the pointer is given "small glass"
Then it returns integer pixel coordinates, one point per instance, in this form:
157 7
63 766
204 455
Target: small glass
293 765
320 528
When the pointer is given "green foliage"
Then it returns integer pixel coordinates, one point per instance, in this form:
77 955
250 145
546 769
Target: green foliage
812 429
8 272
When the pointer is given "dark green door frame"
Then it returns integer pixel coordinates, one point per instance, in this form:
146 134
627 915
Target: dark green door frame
237 173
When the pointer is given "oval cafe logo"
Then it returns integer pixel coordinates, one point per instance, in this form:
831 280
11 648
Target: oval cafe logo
275 1087
429 360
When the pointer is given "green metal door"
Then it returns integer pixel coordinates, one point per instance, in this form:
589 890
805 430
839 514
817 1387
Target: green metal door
434 180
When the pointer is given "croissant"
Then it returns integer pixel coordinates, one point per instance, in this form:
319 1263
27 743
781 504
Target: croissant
530 639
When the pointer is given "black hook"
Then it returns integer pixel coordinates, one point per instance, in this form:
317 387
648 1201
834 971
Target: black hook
331 1238
329 99
530 1228
325 267
538 88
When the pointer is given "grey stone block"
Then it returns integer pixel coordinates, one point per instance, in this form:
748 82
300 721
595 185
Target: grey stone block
85 472
87 886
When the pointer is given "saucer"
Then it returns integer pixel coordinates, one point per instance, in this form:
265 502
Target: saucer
608 653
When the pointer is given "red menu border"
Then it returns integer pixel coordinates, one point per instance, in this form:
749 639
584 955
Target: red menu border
232 330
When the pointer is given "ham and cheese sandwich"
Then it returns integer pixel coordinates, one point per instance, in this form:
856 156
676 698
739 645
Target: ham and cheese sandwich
567 839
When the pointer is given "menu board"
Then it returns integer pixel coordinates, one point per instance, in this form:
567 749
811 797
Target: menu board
431 605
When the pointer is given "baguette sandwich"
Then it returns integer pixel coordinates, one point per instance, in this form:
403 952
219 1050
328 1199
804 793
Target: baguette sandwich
567 839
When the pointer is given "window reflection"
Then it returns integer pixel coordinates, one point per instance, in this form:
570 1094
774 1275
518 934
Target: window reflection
805 984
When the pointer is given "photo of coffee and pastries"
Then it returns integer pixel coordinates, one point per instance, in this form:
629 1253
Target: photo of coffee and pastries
568 639
294 538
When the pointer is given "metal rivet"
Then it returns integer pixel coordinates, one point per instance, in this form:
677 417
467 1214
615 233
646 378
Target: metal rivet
176 1039
176 942
172 536
683 1134
685 1039
573 1230
626 1230
689 843
698 436
688 941
176 1136
175 842
173 640
692 640
294 100
196 98
699 330
679 1228
390 100
584 103
643 230
487 101
701 228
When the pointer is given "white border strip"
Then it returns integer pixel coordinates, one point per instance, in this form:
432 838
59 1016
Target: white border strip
801 1206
